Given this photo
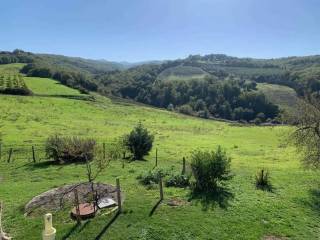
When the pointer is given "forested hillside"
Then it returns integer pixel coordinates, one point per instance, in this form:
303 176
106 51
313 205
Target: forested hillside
214 85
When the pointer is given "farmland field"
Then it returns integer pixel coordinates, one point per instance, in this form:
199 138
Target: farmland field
285 97
291 210
180 73
11 82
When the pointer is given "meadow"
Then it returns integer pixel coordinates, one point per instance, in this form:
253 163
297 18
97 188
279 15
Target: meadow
290 211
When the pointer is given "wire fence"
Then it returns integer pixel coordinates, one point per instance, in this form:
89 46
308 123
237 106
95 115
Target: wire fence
36 151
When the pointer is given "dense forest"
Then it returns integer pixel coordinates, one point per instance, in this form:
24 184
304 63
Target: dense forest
214 85
228 98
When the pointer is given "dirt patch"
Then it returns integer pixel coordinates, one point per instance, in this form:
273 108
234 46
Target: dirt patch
270 237
57 198
176 202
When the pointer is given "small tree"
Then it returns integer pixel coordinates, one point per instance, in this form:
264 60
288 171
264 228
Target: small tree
210 169
139 142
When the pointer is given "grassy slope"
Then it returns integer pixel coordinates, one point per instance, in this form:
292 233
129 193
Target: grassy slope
290 211
285 97
182 73
49 87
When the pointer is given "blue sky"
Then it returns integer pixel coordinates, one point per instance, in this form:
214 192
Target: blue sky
137 30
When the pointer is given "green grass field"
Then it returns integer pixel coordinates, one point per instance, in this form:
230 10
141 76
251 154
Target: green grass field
291 211
45 86
182 73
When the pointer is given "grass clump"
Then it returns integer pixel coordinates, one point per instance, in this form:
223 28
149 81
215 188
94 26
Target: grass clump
263 181
69 149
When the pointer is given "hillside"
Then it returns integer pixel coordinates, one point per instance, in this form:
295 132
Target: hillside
242 213
214 85
60 61
285 97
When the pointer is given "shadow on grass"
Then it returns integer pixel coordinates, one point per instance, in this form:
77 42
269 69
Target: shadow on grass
72 230
219 197
104 230
49 163
314 201
154 208
267 188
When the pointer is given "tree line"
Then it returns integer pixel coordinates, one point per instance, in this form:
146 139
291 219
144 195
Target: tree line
228 97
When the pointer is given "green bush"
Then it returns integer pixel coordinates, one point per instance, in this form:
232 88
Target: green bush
152 176
210 169
69 149
263 180
178 180
186 109
139 142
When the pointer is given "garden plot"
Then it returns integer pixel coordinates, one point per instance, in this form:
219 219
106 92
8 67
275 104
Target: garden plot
13 84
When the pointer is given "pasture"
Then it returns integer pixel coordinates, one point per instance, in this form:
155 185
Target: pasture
290 211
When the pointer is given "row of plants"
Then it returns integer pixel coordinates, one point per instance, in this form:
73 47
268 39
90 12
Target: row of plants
13 84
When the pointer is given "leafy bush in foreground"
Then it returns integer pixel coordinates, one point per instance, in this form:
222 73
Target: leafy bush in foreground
69 149
210 169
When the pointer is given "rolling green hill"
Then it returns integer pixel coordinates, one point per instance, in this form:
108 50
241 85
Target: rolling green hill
285 97
290 211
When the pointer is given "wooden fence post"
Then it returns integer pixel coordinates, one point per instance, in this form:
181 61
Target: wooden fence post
104 151
156 157
183 166
161 189
33 154
119 195
76 201
10 154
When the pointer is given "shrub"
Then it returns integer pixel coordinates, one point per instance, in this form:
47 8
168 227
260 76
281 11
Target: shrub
152 176
178 180
263 180
139 142
170 107
204 114
69 149
210 169
186 109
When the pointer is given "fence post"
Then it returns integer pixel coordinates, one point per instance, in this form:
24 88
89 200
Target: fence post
183 166
10 154
104 151
156 157
119 195
76 201
33 154
161 189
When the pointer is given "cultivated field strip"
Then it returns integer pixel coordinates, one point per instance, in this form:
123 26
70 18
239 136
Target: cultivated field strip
13 84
